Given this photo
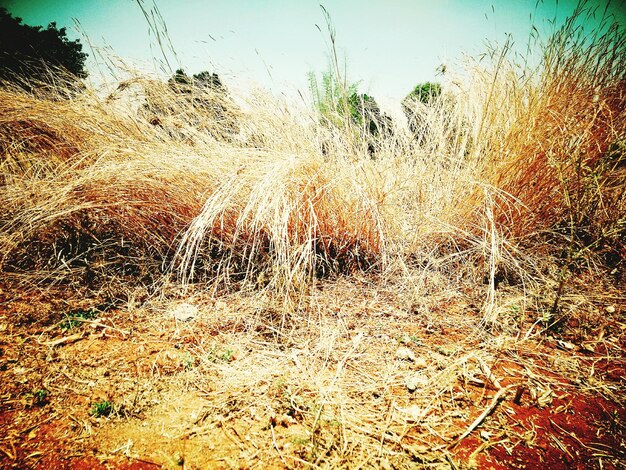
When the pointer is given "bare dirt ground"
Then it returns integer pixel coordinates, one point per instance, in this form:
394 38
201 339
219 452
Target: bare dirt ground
360 380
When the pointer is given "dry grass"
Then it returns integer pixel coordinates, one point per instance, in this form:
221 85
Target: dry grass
329 386
268 197
329 260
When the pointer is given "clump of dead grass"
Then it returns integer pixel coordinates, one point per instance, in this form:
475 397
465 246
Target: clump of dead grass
211 208
149 181
552 147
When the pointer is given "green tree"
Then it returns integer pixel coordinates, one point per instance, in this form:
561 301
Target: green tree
29 53
331 99
342 106
422 94
204 81
366 114
180 82
208 81
201 101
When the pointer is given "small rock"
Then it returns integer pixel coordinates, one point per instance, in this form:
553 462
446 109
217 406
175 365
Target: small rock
588 347
420 363
168 359
610 309
184 312
286 420
413 413
564 345
405 354
446 350
413 382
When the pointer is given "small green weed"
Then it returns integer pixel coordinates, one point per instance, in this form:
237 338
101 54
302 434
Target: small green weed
545 317
187 360
406 339
102 408
38 397
228 356
217 354
41 396
300 440
76 318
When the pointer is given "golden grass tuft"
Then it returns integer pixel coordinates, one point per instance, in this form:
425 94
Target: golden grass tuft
257 193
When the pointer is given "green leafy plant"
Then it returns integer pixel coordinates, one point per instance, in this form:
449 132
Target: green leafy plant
422 94
340 105
331 98
37 397
41 396
101 408
77 318
32 52
187 360
228 355
406 339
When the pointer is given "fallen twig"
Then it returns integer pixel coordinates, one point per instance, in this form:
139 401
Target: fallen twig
494 402
65 339
30 428
280 454
98 324
8 453
488 373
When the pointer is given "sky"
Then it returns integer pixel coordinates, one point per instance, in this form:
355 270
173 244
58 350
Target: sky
388 46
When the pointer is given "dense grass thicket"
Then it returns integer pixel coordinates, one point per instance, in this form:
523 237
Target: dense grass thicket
511 169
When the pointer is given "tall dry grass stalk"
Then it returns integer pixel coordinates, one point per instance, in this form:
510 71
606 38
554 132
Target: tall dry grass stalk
263 195
546 132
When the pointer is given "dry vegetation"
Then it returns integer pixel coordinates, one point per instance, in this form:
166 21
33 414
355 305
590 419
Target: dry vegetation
250 287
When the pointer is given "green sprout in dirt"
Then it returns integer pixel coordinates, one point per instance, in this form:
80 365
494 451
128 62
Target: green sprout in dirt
228 355
77 317
408 339
187 360
214 356
38 397
101 408
41 396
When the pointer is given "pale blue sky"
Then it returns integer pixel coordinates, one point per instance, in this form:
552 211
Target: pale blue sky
389 46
